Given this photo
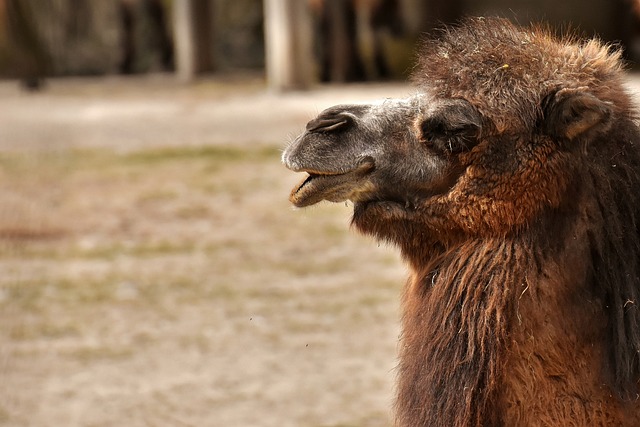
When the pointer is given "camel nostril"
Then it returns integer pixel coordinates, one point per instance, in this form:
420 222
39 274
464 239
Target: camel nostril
325 125
329 123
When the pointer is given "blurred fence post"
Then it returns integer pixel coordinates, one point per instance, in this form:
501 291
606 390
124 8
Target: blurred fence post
193 37
289 46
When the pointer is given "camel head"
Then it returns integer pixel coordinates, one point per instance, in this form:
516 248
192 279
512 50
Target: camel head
423 151
484 122
374 152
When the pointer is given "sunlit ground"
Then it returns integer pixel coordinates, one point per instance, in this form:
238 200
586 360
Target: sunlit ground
153 273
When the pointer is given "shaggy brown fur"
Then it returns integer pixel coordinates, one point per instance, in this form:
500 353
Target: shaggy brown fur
510 184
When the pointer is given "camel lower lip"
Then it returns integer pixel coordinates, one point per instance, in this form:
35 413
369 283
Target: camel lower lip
334 187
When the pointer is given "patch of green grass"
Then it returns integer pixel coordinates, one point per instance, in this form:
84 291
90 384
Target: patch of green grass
193 212
223 154
107 251
158 195
36 330
313 265
53 163
25 295
4 415
156 289
92 354
198 341
35 296
59 165
139 250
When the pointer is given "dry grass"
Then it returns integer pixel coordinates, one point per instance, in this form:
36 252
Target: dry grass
177 287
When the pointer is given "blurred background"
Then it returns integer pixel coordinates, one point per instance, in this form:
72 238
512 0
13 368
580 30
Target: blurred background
295 43
152 271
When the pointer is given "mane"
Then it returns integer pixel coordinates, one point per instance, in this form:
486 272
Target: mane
615 251
459 331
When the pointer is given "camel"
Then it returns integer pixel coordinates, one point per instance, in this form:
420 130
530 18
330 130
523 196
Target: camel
510 183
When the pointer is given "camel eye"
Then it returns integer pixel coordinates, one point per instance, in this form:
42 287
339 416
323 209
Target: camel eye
449 139
454 128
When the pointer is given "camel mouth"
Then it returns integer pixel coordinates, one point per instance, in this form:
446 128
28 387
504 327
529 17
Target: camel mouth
332 186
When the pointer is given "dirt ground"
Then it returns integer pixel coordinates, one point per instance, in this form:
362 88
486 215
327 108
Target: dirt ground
152 272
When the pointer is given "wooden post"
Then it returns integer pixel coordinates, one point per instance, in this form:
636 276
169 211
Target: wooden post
288 39
193 37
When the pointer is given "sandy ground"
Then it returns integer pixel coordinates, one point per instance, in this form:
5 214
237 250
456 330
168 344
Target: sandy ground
152 272
131 114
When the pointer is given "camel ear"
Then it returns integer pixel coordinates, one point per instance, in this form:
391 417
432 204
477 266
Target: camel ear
575 113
